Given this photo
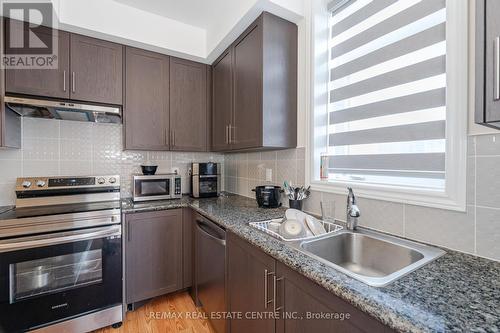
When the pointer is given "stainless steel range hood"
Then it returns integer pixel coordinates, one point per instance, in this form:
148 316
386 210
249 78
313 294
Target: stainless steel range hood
40 108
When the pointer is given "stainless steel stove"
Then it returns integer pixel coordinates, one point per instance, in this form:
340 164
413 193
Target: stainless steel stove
61 255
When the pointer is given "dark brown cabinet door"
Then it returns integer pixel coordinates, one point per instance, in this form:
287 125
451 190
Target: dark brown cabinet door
188 105
187 247
146 100
96 70
2 90
250 286
305 302
492 62
153 254
41 82
246 129
221 101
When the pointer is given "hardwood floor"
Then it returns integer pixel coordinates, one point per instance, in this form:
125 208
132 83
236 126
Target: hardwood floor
171 313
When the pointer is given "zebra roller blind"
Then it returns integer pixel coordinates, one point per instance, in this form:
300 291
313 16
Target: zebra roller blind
387 92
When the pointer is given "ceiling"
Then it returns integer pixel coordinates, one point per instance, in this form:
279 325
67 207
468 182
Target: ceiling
200 30
199 13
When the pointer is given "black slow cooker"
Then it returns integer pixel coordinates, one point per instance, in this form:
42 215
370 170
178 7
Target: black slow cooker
268 196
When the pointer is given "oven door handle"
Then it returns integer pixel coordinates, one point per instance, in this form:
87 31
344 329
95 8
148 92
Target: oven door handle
22 243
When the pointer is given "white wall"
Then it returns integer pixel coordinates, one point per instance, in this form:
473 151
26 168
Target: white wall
119 22
124 23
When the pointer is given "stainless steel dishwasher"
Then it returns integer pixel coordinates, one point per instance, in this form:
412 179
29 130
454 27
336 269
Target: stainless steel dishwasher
210 269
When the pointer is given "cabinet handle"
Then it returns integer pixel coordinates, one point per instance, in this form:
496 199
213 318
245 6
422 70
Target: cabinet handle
266 291
225 140
73 82
173 138
232 133
275 293
64 81
496 93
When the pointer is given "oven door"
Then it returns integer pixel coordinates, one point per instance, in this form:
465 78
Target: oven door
53 277
152 188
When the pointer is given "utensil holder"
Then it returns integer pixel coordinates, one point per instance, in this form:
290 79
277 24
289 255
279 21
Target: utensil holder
296 204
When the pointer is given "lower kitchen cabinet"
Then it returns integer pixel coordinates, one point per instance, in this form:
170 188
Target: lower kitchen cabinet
305 306
250 279
187 247
153 254
260 284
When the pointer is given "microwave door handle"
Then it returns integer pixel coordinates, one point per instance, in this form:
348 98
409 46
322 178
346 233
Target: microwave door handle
58 238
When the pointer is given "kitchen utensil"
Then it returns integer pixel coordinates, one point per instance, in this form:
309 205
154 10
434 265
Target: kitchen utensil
327 211
292 229
297 204
295 214
315 225
268 196
296 193
149 169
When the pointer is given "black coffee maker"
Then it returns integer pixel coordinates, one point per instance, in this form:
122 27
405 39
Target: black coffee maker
205 180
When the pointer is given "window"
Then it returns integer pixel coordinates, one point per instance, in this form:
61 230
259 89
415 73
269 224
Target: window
394 121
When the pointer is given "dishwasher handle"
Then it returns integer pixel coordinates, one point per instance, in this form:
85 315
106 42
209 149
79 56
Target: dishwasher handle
208 231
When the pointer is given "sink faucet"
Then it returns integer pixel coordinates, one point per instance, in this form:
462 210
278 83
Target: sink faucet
352 211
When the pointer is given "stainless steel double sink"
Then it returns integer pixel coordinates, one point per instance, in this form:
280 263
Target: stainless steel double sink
374 258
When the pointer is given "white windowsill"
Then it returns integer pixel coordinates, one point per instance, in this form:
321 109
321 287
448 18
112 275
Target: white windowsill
411 196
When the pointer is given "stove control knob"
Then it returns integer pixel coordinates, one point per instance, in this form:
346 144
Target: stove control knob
26 184
40 183
101 180
112 180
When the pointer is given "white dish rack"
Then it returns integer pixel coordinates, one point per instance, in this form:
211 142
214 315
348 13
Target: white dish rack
271 227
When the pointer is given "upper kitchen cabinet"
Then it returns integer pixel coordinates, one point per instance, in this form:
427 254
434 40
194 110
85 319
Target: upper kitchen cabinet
262 93
96 70
10 122
246 127
166 102
487 63
146 107
189 116
222 101
41 82
88 69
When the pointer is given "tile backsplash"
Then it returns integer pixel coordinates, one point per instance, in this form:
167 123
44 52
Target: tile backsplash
54 147
476 231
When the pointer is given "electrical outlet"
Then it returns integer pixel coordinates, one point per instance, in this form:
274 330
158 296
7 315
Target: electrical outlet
269 175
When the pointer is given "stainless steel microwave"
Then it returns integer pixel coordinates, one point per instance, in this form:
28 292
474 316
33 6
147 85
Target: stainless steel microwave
156 187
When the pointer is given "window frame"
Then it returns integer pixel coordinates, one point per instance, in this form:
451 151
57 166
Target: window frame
457 47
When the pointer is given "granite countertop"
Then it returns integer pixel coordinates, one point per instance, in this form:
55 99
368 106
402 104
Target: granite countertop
455 293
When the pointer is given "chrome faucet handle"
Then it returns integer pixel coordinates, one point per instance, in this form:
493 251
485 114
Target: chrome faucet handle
353 211
351 198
